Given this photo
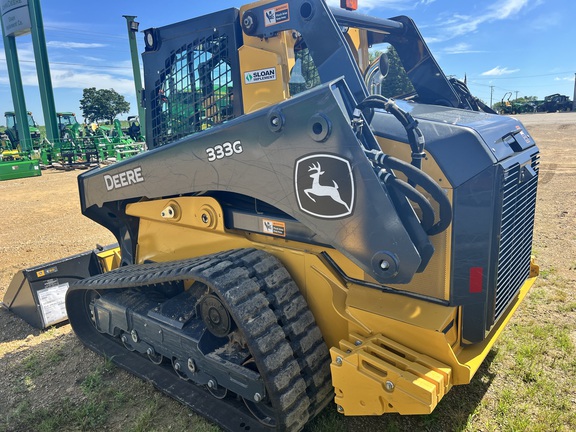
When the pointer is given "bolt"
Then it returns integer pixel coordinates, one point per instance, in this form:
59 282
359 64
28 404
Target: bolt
204 218
257 397
389 386
124 339
212 384
181 319
339 361
358 343
340 409
134 335
150 351
177 366
248 21
275 121
191 365
384 265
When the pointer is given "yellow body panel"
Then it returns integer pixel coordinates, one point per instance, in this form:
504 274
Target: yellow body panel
434 281
408 367
257 95
109 259
402 352
257 54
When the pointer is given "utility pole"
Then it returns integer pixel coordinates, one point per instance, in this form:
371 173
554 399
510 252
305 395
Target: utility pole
491 94
574 98
516 100
132 30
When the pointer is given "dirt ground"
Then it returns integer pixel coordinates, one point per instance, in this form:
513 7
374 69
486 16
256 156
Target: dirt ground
41 221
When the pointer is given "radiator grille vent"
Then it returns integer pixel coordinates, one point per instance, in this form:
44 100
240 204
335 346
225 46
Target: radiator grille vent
515 246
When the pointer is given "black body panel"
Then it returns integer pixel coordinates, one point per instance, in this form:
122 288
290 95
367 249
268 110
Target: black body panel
275 165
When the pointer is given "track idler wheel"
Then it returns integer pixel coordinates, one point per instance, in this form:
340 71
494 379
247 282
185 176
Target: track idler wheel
215 316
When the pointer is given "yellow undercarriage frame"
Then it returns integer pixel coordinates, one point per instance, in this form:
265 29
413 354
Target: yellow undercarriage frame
389 352
373 375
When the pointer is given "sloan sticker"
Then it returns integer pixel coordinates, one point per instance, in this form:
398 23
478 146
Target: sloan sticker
276 15
274 227
261 75
324 186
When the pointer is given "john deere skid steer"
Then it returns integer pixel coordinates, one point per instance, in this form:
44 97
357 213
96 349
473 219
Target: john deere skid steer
290 241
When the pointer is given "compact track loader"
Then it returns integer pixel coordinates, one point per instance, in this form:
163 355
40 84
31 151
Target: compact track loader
290 241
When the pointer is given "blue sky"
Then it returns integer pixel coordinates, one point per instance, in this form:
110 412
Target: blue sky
522 46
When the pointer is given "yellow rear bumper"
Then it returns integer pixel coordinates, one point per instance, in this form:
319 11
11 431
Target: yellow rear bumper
375 374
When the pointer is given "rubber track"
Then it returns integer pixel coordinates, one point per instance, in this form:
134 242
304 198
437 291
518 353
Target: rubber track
265 303
300 327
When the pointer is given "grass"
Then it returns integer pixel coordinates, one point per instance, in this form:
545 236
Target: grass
88 413
526 383
35 364
107 396
535 363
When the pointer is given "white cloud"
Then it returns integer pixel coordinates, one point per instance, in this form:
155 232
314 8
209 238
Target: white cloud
566 78
460 48
72 73
71 79
74 45
497 71
459 25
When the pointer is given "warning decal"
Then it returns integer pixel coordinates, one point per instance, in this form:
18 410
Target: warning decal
276 15
274 227
51 302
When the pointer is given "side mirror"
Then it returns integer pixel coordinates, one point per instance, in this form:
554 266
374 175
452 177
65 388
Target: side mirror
376 72
384 64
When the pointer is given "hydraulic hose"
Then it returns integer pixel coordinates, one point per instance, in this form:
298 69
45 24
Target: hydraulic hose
413 195
418 177
412 171
415 136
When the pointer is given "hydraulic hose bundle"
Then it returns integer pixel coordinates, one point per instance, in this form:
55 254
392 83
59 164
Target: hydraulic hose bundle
412 171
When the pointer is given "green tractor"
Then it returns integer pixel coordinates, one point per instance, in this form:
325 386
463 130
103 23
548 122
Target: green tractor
77 146
14 162
39 148
125 146
68 126
12 131
505 105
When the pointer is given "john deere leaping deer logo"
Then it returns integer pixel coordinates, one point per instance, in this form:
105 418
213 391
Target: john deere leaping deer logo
324 186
